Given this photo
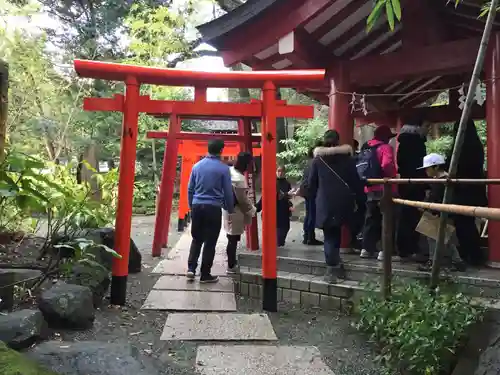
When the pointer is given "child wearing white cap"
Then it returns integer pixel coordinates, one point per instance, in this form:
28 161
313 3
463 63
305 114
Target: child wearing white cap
434 167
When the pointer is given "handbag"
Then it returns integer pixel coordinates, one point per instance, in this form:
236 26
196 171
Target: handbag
353 195
429 227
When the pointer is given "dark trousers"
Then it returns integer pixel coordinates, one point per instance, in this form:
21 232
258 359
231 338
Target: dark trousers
282 232
332 245
310 220
469 239
372 232
407 239
356 226
206 223
232 245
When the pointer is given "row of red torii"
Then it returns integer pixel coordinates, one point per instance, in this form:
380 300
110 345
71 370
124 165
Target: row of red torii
132 103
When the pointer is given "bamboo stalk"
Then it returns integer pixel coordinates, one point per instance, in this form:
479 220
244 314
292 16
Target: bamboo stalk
430 181
459 140
481 212
4 99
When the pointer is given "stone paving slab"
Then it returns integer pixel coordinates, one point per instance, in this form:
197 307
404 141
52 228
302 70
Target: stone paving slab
179 267
218 327
183 300
260 360
172 282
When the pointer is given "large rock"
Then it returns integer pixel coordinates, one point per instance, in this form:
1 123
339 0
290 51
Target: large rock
22 328
489 360
93 276
106 236
93 358
68 306
14 363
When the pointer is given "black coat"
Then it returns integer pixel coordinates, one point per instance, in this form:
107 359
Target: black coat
335 202
283 203
470 165
410 157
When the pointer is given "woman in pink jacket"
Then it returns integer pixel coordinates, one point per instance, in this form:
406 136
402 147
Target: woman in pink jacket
386 167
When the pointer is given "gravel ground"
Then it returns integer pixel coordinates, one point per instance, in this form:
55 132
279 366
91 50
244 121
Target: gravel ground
343 349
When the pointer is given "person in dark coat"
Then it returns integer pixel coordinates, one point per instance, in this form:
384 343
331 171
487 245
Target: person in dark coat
310 204
411 152
470 165
283 206
335 185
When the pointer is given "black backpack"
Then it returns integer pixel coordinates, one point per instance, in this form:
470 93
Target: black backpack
367 163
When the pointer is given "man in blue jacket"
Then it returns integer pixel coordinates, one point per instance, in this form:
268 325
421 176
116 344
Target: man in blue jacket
209 191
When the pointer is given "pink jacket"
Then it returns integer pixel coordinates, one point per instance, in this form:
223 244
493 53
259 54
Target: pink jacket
385 154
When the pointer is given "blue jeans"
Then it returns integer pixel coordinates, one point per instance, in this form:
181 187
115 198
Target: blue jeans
332 245
310 219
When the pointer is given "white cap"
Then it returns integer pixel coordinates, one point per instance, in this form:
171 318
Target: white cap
432 160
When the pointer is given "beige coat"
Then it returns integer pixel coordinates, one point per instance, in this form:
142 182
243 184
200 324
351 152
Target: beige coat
244 209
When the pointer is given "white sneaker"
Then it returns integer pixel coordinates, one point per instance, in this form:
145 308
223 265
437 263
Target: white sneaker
365 254
380 256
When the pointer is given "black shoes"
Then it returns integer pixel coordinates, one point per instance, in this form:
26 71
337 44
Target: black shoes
208 279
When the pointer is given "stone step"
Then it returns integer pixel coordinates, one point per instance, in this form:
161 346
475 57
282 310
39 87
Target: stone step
482 283
175 282
189 300
218 327
311 290
260 360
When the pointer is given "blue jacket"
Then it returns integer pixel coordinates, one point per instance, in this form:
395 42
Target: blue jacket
210 183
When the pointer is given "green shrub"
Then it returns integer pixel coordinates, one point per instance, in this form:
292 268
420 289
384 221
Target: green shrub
418 333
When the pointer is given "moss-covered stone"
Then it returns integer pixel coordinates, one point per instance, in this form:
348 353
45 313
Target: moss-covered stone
14 363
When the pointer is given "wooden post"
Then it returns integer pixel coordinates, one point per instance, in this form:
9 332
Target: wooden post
387 239
251 231
493 131
166 187
340 119
269 232
125 192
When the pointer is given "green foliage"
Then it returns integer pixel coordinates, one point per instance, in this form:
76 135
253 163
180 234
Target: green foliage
82 251
305 136
15 363
392 10
417 332
72 207
22 192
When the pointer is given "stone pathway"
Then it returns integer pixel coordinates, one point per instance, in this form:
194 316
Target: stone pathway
207 313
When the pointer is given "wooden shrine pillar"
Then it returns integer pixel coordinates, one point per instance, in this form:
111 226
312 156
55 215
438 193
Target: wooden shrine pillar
188 161
167 183
341 120
269 232
123 222
492 70
251 231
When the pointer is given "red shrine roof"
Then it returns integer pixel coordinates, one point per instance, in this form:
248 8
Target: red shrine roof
321 32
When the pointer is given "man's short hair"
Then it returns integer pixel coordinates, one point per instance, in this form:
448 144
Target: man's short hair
215 147
331 138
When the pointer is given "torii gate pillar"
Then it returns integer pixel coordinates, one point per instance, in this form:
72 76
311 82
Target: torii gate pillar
340 119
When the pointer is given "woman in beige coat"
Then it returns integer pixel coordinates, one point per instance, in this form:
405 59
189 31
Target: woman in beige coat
234 224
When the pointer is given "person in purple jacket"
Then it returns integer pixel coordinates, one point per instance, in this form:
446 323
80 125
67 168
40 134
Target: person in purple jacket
209 191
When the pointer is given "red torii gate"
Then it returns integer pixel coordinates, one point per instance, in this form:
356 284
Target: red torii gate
132 103
191 152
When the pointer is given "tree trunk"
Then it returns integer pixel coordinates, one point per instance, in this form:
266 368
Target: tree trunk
4 99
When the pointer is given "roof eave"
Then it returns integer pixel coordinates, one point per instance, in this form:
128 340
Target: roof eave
221 26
